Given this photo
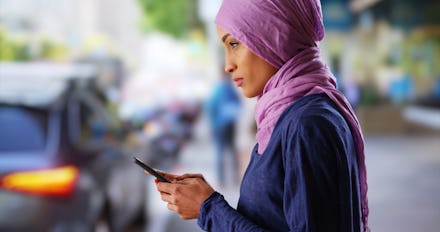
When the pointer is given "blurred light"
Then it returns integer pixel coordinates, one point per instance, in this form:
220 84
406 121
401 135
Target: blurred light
54 182
359 5
152 129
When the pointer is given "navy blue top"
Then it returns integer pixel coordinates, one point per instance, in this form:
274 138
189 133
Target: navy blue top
306 180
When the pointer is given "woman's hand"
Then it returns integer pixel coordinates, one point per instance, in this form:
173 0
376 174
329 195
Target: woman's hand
185 195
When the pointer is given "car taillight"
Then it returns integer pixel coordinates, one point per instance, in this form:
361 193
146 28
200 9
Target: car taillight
53 182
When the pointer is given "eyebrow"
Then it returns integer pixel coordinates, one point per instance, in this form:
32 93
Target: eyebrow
225 37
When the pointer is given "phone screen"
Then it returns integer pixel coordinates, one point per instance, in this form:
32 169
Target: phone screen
151 170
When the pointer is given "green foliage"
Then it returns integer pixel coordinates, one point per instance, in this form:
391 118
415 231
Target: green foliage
175 17
52 50
421 56
12 49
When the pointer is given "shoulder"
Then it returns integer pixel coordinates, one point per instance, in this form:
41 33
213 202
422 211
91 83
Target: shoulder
313 119
309 111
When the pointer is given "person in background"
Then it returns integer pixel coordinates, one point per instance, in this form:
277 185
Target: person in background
307 171
223 110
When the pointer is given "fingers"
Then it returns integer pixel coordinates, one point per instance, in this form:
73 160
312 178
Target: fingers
190 180
172 207
164 187
183 212
190 175
168 198
184 197
173 177
168 176
196 179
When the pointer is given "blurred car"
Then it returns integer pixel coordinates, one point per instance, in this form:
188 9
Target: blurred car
62 167
168 129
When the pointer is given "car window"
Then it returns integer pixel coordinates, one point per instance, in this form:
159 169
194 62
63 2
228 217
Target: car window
22 130
88 119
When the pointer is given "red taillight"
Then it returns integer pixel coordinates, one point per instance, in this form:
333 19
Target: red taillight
54 182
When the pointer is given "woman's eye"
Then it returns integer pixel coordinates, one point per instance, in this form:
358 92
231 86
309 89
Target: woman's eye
233 44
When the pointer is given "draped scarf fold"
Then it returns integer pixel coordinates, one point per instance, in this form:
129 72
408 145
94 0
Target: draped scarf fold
285 33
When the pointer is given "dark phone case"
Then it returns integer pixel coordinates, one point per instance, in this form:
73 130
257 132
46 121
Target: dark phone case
150 170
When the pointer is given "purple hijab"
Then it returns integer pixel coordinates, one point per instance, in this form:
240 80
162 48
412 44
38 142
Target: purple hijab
285 33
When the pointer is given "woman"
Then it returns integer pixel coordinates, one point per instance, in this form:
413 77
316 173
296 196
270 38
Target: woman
307 170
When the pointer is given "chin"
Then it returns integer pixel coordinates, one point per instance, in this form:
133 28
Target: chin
249 94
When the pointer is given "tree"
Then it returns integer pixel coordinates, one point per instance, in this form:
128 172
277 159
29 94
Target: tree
13 49
175 17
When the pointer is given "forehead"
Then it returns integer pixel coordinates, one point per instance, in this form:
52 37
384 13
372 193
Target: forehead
222 34
220 30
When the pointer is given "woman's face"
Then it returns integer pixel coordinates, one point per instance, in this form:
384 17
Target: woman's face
248 71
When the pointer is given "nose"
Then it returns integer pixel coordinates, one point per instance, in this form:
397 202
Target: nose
229 67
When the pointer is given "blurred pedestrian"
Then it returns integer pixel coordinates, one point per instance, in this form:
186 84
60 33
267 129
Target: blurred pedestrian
307 171
223 109
352 92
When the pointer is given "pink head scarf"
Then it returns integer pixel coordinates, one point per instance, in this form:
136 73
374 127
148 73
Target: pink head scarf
285 33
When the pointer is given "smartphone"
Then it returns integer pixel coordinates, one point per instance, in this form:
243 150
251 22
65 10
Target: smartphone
151 170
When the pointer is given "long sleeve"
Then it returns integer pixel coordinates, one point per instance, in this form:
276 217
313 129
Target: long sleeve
217 215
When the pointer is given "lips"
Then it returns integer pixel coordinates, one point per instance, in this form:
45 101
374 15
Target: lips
238 81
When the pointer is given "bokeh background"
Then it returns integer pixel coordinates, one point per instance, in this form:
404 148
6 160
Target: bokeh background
157 61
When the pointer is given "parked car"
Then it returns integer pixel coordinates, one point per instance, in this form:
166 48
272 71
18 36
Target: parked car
62 166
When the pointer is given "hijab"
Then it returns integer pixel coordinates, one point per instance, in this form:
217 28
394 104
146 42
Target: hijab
286 33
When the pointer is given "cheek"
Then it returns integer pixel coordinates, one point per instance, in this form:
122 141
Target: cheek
259 79
259 84
254 84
